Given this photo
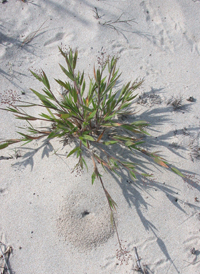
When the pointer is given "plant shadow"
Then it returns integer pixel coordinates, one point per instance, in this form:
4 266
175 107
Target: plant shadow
28 158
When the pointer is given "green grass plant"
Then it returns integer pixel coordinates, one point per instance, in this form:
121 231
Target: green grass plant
91 119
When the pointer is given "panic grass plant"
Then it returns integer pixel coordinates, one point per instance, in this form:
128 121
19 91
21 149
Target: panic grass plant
91 120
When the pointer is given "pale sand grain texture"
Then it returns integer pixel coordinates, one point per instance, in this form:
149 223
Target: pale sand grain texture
55 220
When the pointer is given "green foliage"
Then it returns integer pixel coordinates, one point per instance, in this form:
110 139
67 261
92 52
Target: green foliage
92 119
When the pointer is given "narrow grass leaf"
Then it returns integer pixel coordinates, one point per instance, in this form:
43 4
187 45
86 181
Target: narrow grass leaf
75 59
66 115
36 76
82 77
45 80
107 143
175 170
132 174
48 94
53 135
69 75
92 114
65 85
146 175
83 88
4 145
100 136
73 151
140 123
109 117
160 162
44 100
93 177
87 137
12 109
46 116
85 163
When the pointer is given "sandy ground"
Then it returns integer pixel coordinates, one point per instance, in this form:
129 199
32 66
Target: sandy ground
55 220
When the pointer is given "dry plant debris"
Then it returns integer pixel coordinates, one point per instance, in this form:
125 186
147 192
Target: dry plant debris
175 102
32 35
5 252
97 16
149 99
113 24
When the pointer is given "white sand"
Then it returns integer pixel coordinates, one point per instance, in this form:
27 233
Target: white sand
42 203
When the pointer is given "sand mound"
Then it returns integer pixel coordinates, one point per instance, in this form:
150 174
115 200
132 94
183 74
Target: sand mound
85 220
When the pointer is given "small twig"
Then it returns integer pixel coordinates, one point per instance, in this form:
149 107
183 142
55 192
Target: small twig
3 254
191 263
139 268
31 36
110 22
96 13
111 25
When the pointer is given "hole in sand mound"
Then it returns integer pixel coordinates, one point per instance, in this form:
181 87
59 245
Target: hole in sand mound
84 213
84 220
